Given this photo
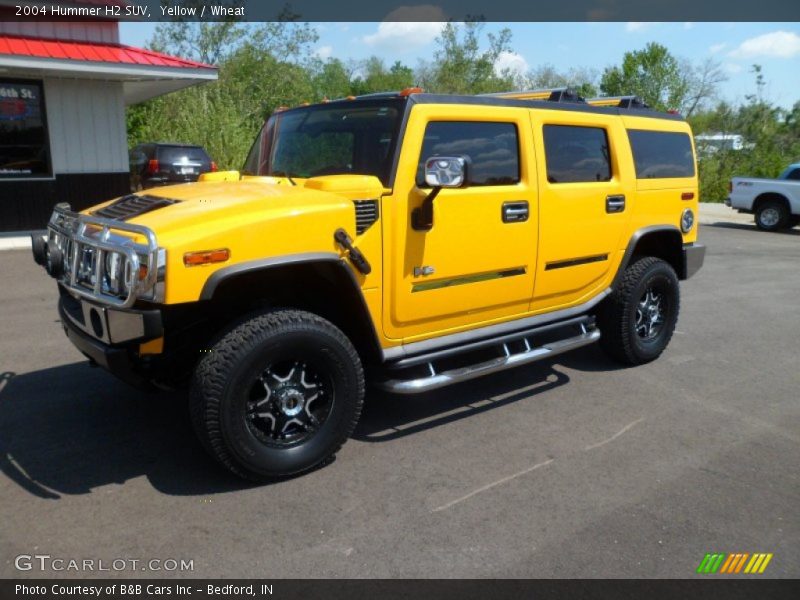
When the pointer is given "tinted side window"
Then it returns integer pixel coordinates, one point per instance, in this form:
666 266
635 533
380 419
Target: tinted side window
661 154
575 154
794 175
492 148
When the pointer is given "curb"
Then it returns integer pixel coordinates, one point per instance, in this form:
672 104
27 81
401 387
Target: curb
15 243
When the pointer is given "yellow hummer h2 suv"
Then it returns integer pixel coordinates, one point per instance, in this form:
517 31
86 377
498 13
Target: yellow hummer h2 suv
421 239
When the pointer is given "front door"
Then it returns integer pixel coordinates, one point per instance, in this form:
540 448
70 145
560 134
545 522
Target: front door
476 263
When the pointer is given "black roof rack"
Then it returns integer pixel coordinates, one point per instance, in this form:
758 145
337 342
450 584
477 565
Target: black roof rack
618 101
562 94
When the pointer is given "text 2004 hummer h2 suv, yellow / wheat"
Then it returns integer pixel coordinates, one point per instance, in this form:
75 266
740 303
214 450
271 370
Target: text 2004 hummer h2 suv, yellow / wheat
420 239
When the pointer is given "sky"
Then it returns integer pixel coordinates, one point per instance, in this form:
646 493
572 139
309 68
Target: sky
736 46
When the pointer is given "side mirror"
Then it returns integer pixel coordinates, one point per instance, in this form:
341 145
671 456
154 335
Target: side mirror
440 172
446 171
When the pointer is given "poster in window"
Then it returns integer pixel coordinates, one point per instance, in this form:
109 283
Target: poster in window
23 136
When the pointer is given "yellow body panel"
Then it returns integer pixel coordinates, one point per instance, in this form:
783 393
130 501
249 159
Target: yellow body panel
253 219
481 270
467 240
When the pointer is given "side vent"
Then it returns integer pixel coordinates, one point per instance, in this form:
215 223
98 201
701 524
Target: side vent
131 206
366 214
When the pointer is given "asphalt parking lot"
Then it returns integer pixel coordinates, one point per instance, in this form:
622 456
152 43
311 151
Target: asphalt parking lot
568 468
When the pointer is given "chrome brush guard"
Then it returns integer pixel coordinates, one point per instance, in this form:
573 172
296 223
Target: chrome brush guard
100 259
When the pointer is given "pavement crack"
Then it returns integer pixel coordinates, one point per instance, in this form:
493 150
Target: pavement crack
489 486
615 436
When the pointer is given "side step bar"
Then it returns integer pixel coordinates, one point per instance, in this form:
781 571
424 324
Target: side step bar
531 354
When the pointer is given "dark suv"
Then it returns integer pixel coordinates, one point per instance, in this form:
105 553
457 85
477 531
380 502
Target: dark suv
167 164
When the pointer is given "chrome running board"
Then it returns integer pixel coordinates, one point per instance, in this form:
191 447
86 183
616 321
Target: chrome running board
508 360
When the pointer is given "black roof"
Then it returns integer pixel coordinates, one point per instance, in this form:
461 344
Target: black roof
541 104
422 98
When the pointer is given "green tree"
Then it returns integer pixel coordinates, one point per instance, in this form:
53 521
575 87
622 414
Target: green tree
582 80
461 67
258 72
653 74
330 80
375 77
662 80
771 135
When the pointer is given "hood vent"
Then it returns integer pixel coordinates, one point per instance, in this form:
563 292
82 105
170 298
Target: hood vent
131 206
366 214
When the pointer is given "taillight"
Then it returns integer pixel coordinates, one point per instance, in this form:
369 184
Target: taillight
213 166
730 187
153 166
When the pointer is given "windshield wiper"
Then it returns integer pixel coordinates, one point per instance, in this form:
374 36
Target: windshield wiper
285 174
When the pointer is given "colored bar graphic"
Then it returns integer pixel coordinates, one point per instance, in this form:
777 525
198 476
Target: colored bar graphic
741 563
765 563
711 563
758 563
734 562
728 565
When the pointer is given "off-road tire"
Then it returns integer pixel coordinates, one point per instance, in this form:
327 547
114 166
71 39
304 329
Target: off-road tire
219 392
617 315
783 216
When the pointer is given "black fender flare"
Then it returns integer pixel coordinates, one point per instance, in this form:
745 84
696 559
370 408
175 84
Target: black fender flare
328 259
643 233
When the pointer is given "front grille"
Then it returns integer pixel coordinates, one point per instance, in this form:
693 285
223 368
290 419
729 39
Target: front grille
131 206
366 214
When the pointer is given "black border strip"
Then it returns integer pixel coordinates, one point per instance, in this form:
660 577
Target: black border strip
572 262
705 587
443 10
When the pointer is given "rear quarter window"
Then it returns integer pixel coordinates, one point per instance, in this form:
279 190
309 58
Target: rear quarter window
661 154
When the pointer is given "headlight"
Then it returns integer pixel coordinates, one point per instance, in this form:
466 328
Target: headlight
687 220
116 269
113 268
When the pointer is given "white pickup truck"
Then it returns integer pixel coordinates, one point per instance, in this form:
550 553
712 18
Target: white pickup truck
774 202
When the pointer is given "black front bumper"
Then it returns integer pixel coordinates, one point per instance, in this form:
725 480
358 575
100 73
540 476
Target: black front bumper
693 257
120 359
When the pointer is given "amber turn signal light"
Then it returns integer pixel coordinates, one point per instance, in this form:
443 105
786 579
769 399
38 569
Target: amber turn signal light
205 257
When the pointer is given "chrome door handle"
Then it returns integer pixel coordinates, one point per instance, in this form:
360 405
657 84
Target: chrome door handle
615 204
515 212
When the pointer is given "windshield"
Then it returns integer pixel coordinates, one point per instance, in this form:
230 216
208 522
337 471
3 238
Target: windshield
342 138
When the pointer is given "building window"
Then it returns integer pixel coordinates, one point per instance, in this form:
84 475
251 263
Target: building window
24 145
492 150
661 154
576 154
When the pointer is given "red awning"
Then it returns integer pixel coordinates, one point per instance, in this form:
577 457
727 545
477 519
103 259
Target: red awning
92 52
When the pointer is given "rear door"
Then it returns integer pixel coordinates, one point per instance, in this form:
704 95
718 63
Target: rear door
585 194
